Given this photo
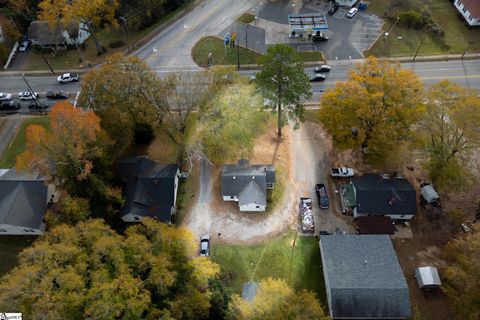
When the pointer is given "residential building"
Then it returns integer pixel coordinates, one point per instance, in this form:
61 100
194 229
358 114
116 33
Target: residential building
24 198
150 189
363 278
247 184
58 37
470 10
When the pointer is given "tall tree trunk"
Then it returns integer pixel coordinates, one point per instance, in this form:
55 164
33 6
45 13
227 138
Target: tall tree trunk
93 33
279 109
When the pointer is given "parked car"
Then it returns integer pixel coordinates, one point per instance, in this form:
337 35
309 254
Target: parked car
9 105
23 46
37 105
333 9
322 196
352 13
317 77
205 245
319 36
342 172
57 95
322 68
26 95
68 77
5 96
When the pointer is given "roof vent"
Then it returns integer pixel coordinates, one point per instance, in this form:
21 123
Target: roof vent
253 177
385 176
234 177
365 262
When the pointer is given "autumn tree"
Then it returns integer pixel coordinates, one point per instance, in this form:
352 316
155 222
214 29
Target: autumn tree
116 92
92 13
88 271
74 154
449 132
230 122
374 109
461 275
284 84
274 299
69 210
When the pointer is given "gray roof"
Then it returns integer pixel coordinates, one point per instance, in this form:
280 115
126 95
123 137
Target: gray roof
42 32
249 290
23 199
364 277
375 195
236 177
252 193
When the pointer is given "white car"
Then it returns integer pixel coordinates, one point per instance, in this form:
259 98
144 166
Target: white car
322 68
205 245
5 96
68 77
27 95
352 13
23 46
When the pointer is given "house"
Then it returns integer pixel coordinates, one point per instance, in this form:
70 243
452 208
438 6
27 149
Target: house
375 194
150 189
59 37
247 184
363 278
24 198
470 10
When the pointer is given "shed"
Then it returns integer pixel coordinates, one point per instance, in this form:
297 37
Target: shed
428 193
427 277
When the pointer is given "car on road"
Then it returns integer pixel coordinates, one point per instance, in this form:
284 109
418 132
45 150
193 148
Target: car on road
333 9
57 95
23 46
322 68
26 95
317 77
9 105
205 245
68 77
322 196
5 96
37 105
352 13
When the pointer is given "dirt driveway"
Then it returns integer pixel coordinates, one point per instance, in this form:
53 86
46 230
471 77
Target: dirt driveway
309 164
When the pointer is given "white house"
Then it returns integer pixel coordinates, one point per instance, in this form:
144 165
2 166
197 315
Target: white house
470 10
59 37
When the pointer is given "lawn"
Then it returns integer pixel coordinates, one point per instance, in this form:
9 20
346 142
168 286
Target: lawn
18 145
246 18
10 247
405 42
299 265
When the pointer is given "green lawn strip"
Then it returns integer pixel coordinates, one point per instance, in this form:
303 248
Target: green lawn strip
19 142
307 56
10 247
274 259
246 18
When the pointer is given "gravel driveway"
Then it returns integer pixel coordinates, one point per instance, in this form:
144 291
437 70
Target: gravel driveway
309 158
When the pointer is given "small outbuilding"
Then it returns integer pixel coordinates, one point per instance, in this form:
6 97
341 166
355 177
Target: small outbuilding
427 277
428 193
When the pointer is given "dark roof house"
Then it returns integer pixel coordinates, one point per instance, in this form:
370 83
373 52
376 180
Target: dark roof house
377 194
363 278
24 199
41 33
150 188
247 184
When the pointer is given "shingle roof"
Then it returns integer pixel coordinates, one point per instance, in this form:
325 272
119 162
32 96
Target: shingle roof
252 193
375 195
473 6
364 277
235 177
150 187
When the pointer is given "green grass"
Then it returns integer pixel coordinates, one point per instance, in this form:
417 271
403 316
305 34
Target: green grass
306 56
19 143
457 36
300 265
312 115
10 247
246 18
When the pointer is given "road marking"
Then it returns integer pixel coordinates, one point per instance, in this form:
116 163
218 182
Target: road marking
475 76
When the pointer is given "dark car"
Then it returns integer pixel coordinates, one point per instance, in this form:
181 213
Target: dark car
38 106
317 77
9 105
333 9
322 196
57 95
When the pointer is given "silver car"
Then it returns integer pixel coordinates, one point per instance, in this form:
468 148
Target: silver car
26 95
5 96
205 245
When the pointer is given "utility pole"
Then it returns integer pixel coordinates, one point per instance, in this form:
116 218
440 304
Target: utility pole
30 90
46 61
466 49
238 55
126 32
419 48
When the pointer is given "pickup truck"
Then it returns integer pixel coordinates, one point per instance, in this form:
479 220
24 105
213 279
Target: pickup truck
322 195
306 215
342 172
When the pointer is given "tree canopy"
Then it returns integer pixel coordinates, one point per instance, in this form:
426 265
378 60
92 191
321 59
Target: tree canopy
276 300
284 84
374 109
91 272
449 132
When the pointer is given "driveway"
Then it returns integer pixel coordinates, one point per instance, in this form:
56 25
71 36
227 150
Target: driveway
310 164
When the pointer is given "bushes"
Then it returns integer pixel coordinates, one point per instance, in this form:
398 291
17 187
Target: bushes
116 44
412 19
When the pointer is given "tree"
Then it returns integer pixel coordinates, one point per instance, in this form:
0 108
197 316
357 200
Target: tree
115 91
229 123
91 13
374 109
74 155
90 272
284 84
461 275
449 131
276 300
70 210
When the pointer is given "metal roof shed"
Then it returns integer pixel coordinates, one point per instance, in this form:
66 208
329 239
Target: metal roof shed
427 277
429 193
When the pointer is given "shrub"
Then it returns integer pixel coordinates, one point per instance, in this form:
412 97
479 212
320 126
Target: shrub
413 20
116 44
